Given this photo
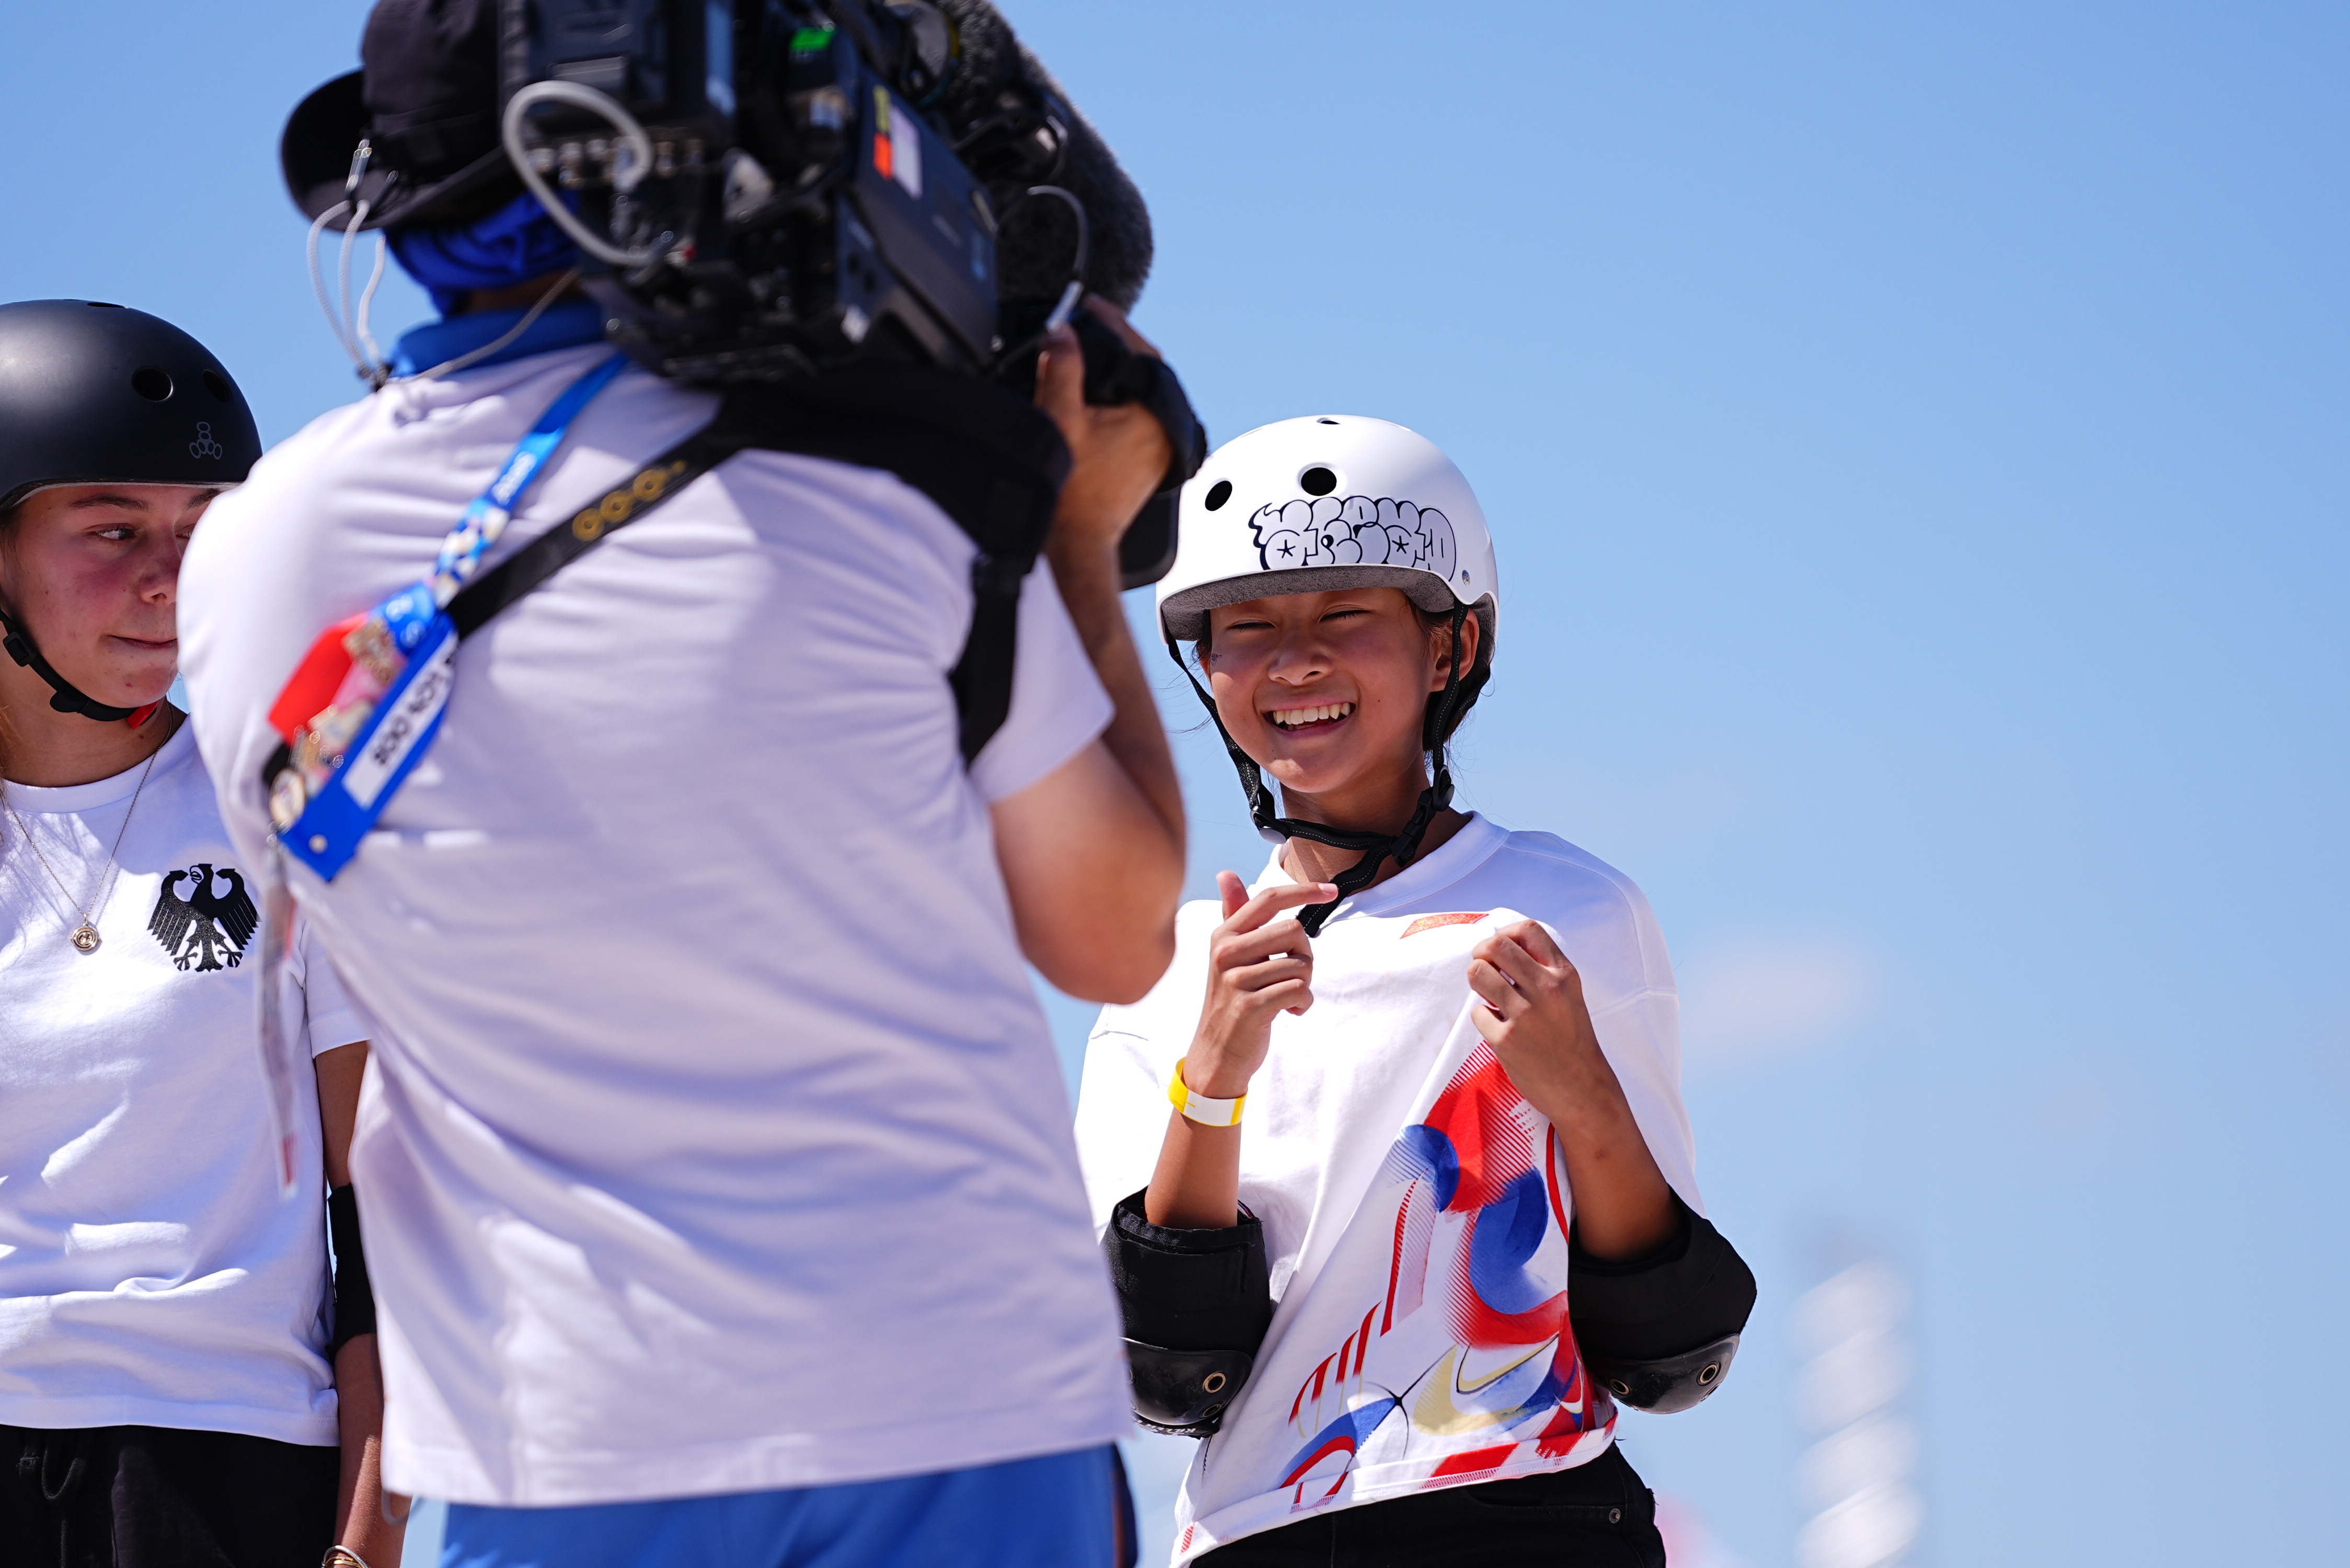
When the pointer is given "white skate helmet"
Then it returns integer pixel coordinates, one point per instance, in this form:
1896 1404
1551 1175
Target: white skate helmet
1331 501
1335 501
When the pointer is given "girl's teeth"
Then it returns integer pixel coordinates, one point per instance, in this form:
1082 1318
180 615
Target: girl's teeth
1290 719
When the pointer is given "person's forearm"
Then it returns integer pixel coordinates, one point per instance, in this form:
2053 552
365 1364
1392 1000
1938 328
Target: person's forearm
1197 1185
1623 1208
1136 739
363 1521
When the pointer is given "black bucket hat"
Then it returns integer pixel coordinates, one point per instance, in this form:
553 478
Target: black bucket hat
425 99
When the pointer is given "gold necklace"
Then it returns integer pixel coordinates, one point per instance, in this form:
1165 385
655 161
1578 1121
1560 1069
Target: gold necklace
84 937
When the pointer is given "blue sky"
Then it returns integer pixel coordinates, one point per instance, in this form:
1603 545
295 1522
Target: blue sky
1914 438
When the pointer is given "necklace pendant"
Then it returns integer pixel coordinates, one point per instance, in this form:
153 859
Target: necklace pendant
85 938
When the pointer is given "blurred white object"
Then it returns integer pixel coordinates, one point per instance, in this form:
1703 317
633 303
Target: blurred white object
1853 1378
1865 1453
1765 997
1857 1480
1865 1296
1865 1530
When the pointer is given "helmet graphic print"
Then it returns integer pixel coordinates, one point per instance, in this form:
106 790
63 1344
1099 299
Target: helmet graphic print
1356 532
1335 502
1329 502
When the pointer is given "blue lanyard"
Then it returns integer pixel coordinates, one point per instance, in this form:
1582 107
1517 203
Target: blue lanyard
365 703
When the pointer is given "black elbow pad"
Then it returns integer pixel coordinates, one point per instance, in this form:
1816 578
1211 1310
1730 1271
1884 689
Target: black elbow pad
354 1299
1659 1332
1196 1305
1183 1393
1669 1383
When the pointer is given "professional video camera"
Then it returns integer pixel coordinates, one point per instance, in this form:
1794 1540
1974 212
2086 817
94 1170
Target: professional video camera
767 191
760 180
763 191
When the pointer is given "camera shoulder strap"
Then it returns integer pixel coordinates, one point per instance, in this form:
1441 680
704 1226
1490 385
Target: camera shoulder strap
987 459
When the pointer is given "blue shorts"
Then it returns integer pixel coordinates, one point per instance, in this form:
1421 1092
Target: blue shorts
1062 1511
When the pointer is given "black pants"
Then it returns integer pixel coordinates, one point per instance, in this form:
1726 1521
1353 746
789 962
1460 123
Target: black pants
1597 1515
151 1497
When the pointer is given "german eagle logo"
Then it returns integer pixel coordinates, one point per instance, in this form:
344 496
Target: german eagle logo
204 929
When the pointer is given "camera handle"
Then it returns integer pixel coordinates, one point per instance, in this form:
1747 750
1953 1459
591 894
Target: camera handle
1116 374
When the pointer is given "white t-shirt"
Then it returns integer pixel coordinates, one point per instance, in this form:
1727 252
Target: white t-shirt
717 1142
149 1273
1415 1205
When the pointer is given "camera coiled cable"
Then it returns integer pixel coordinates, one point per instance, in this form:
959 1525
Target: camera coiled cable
628 172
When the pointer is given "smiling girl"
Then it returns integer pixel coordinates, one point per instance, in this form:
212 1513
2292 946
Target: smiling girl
172 1386
1425 1210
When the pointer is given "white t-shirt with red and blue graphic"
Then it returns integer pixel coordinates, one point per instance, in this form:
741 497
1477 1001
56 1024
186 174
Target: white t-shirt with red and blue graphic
1415 1205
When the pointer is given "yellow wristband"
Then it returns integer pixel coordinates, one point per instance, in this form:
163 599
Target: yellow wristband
1200 1108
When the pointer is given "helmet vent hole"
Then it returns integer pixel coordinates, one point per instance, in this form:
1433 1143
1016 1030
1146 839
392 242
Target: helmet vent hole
1219 493
101 305
1317 481
217 385
151 383
1326 421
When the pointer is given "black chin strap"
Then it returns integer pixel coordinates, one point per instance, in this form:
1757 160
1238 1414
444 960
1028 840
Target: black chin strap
1376 846
67 698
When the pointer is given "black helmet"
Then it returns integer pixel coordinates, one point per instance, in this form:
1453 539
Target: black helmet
100 394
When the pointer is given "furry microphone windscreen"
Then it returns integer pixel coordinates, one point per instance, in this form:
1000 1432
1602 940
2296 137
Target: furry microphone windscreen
1001 84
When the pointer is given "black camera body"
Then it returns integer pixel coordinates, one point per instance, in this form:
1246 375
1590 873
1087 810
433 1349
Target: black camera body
800 211
788 200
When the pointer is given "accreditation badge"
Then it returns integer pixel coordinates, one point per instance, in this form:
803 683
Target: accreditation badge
365 703
360 713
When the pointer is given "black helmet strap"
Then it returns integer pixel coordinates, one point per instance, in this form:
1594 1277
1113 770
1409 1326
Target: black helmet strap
66 698
1376 846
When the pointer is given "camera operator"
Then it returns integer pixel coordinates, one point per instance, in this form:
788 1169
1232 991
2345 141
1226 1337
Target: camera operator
716 1168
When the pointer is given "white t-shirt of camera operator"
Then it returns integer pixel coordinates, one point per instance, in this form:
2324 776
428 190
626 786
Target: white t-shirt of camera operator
1415 1205
149 1273
717 1143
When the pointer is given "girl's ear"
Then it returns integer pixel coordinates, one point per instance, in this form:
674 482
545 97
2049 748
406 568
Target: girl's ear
1441 648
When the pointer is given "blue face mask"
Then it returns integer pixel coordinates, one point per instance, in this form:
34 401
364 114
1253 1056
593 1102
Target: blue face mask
513 244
